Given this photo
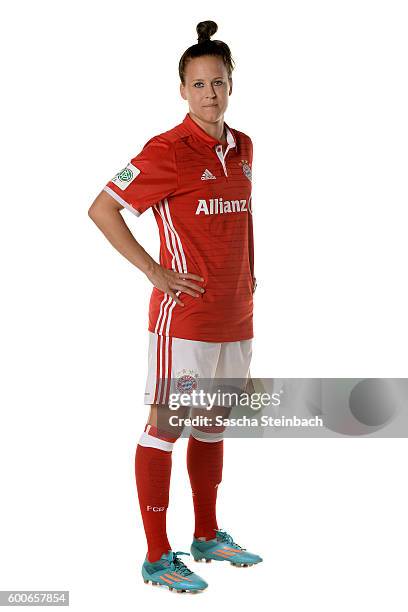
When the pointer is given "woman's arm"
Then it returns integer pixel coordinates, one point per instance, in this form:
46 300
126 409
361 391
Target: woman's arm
105 213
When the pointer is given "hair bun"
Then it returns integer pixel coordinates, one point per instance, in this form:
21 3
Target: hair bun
206 29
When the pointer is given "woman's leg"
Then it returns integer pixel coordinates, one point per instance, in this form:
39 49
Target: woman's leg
153 470
205 449
205 452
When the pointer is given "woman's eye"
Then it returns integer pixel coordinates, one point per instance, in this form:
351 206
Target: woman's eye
216 83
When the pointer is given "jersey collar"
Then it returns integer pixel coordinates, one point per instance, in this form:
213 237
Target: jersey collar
198 131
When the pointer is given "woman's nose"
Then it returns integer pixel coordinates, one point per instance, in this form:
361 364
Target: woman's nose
210 91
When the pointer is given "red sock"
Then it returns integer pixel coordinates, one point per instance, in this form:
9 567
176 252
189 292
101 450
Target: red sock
153 469
204 465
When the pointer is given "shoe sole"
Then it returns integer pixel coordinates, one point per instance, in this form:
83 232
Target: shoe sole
192 591
232 563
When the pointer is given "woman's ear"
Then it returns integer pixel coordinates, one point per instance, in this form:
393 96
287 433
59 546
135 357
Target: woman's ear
182 92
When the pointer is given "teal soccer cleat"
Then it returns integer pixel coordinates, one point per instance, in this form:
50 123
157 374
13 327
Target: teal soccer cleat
223 548
171 572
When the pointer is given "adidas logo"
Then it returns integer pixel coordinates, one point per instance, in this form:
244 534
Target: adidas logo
207 175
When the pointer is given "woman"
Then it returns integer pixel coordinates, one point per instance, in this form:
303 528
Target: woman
196 177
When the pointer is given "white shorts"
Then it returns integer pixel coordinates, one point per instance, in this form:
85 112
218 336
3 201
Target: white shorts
176 365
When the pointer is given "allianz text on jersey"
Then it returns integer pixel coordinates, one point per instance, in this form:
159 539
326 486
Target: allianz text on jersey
218 206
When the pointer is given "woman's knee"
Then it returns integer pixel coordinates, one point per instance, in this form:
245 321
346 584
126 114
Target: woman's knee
162 417
208 424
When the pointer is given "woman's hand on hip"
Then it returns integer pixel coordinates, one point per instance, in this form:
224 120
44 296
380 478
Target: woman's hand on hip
170 282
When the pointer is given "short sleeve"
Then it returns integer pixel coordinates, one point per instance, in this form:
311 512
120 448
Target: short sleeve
148 178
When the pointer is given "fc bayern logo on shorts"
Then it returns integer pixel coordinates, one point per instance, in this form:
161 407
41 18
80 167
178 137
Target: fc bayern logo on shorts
246 169
186 381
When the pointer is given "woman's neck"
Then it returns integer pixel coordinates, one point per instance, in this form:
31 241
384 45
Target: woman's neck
216 130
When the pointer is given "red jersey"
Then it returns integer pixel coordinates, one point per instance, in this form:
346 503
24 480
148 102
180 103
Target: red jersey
201 198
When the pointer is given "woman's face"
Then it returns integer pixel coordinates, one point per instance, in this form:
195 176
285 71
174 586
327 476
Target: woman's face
207 87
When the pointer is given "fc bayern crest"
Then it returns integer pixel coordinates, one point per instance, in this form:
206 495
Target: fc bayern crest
186 381
246 169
